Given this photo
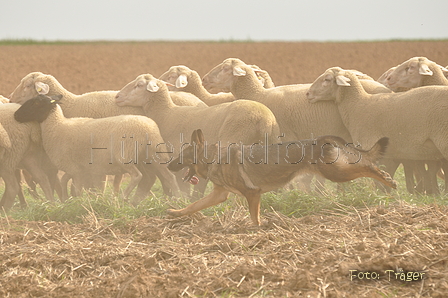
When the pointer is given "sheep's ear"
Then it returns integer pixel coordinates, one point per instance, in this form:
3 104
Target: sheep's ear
42 88
260 78
444 70
238 71
152 86
424 70
342 80
181 81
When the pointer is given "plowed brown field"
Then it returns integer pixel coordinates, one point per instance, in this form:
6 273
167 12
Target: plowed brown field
401 251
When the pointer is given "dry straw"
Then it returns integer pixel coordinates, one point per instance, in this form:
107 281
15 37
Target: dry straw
223 256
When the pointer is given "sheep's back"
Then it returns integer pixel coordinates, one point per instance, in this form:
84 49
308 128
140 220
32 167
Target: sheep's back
98 104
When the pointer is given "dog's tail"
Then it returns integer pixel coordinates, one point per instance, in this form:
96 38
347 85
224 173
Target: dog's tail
352 162
378 150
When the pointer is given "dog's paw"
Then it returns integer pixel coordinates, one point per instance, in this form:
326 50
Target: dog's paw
174 212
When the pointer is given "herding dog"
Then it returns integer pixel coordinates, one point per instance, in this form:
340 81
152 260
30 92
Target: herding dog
251 170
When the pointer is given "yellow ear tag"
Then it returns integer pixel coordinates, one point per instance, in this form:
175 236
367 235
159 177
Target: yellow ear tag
39 89
52 101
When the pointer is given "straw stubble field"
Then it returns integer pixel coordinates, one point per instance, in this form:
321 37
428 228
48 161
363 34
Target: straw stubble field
393 250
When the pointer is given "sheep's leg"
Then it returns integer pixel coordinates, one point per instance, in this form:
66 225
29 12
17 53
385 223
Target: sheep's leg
253 200
409 171
22 200
11 190
144 186
77 186
64 186
218 195
56 184
168 180
30 182
52 173
33 166
96 183
42 179
431 176
136 177
445 173
117 183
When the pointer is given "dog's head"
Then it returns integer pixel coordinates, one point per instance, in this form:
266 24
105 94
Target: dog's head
191 156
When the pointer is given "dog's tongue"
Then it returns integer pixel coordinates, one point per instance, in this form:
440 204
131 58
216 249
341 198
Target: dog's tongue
194 180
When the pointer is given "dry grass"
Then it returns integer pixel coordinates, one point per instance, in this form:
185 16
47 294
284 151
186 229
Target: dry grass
223 256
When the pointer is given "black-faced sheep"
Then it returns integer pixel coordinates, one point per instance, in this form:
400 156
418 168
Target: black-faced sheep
86 147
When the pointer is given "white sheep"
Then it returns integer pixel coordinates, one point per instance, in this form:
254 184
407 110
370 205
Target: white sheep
297 118
262 75
415 72
98 104
414 121
25 150
238 121
234 123
86 147
184 79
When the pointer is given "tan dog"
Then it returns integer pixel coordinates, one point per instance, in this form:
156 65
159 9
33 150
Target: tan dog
251 170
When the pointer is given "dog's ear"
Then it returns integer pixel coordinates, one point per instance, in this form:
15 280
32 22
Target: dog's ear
197 137
194 136
201 139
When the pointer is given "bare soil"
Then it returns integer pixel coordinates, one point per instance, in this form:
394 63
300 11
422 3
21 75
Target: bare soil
109 66
400 251
403 249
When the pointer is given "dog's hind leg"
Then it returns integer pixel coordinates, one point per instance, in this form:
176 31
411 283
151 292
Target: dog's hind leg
218 195
253 199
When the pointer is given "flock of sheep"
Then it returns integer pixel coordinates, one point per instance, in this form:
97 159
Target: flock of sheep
46 130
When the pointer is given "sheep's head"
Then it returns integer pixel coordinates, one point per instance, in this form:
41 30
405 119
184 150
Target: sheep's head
137 92
410 73
222 77
32 85
326 85
178 77
191 157
37 108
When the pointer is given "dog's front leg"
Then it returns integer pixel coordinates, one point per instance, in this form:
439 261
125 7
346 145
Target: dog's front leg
253 200
218 195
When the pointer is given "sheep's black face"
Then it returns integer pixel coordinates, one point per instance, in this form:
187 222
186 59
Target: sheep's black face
36 109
